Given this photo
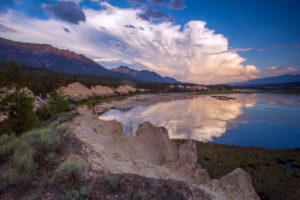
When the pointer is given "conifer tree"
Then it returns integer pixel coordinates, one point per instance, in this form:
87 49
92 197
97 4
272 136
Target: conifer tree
15 101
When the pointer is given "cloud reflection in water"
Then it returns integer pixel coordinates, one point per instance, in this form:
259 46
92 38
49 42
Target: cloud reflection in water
201 119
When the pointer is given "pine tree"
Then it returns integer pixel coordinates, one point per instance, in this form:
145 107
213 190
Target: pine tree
21 116
58 102
15 103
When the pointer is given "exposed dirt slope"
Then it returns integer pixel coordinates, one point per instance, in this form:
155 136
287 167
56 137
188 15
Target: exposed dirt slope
152 154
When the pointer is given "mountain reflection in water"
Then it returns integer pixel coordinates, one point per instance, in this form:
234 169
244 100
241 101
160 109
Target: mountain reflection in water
207 119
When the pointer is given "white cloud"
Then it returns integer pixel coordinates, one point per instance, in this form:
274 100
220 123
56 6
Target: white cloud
283 69
192 54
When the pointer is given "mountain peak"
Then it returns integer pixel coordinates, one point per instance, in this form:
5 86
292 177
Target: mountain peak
281 79
49 57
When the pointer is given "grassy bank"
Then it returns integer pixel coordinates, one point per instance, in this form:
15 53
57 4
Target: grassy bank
92 101
275 174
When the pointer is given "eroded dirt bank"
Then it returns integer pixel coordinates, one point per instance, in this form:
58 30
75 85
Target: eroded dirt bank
152 154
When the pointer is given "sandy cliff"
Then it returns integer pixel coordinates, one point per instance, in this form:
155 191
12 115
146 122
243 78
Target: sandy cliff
76 91
152 154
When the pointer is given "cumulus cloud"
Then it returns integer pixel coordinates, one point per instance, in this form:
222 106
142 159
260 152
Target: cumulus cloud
190 53
283 69
68 11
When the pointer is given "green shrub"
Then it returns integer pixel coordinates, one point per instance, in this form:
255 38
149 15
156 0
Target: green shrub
81 194
44 112
51 159
71 170
114 183
7 146
17 178
58 102
46 140
84 191
23 158
63 117
58 118
19 107
139 196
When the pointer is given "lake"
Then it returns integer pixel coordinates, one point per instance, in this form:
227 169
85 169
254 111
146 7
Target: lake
265 120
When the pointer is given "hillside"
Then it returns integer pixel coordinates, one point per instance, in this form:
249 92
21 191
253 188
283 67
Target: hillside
274 81
49 57
144 75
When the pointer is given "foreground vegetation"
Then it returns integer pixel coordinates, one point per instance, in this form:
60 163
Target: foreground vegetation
275 173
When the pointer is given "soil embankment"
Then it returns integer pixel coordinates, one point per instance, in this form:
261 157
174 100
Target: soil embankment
152 154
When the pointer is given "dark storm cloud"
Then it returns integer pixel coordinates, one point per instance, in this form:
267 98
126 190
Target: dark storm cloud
66 29
171 4
152 14
177 4
67 11
129 26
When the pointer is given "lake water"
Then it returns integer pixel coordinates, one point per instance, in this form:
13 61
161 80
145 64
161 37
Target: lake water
264 120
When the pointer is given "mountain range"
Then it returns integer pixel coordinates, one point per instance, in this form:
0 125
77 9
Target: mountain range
144 75
49 57
286 79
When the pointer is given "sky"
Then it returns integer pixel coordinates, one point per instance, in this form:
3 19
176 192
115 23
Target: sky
204 42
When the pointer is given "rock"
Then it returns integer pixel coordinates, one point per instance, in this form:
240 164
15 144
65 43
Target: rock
102 91
76 91
125 89
39 102
151 153
236 185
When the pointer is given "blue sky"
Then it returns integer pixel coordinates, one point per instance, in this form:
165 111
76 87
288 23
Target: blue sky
201 41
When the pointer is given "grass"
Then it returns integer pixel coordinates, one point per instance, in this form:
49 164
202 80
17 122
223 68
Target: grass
271 178
92 101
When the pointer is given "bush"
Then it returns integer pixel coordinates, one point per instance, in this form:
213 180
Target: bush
58 118
81 194
44 112
19 107
58 102
71 170
24 162
7 146
47 139
139 196
114 183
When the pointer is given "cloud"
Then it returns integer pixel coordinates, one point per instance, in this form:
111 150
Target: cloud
171 4
187 119
66 29
281 46
68 11
191 53
136 1
4 28
152 14
283 69
129 26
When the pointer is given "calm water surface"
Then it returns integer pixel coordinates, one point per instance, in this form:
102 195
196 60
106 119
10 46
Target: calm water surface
265 120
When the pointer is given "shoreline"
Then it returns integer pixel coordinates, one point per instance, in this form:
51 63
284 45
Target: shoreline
275 173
